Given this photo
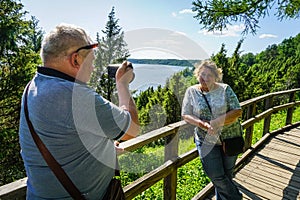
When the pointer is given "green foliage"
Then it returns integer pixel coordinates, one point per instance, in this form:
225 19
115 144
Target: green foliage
19 46
191 179
11 167
155 192
140 162
275 69
296 115
217 14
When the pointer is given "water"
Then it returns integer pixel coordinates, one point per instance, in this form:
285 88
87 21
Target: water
147 75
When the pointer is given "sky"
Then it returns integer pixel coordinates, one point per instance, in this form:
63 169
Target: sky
159 28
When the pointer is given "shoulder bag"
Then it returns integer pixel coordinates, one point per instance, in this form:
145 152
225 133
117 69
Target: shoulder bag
114 191
234 145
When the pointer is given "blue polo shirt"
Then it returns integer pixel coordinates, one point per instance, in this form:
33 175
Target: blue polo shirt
78 127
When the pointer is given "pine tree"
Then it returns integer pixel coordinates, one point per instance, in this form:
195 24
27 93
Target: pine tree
18 60
113 49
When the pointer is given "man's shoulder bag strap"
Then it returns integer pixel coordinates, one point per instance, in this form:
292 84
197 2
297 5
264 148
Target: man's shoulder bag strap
50 160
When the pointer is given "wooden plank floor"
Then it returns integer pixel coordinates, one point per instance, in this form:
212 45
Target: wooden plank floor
274 171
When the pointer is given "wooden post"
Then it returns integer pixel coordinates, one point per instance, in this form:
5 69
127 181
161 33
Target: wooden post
267 121
249 131
289 114
171 152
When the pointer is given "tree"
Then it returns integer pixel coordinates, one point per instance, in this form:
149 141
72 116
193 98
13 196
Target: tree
18 60
222 61
112 50
36 35
232 68
217 14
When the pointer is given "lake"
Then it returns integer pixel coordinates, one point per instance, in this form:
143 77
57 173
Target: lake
147 75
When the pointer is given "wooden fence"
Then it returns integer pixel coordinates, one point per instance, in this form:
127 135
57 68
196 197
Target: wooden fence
254 110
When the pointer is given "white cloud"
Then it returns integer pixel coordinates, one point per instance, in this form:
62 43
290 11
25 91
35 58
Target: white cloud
263 36
174 14
182 12
186 11
230 31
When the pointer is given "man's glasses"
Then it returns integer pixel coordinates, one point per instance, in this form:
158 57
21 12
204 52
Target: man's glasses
91 46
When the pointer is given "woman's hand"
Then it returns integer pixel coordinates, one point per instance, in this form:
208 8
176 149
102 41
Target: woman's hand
210 129
200 123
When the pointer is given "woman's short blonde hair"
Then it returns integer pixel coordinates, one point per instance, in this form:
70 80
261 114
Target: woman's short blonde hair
209 65
59 41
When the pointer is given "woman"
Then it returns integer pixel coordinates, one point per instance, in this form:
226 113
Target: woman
213 116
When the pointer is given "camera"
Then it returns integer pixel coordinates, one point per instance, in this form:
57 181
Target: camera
112 69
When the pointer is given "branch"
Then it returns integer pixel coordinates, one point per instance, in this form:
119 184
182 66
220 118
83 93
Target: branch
217 14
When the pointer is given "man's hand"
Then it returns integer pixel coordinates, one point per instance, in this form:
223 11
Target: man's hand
118 149
125 73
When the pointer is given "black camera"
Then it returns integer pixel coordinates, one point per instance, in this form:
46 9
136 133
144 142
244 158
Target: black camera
112 69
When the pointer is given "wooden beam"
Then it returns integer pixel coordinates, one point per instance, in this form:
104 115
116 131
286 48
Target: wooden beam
14 190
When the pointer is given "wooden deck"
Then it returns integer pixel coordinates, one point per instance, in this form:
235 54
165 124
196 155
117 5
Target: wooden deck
273 172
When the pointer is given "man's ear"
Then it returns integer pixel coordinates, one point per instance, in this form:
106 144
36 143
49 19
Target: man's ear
74 60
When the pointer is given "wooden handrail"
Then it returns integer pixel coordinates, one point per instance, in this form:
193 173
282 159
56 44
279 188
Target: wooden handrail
152 136
168 171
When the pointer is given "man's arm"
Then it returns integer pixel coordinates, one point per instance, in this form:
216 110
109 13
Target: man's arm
124 76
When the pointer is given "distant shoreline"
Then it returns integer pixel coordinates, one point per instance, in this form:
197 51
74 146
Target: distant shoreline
172 62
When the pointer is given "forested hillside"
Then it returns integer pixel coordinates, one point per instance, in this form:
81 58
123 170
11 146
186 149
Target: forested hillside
277 68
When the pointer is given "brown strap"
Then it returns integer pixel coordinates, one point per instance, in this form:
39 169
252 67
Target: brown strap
50 160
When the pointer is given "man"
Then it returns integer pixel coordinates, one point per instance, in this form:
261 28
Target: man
76 124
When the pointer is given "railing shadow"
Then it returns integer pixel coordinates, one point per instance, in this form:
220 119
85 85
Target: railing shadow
245 191
274 162
288 142
292 190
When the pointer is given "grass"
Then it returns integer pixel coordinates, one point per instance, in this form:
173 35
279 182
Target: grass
277 121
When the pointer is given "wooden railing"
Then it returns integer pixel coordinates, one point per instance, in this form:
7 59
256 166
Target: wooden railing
254 110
